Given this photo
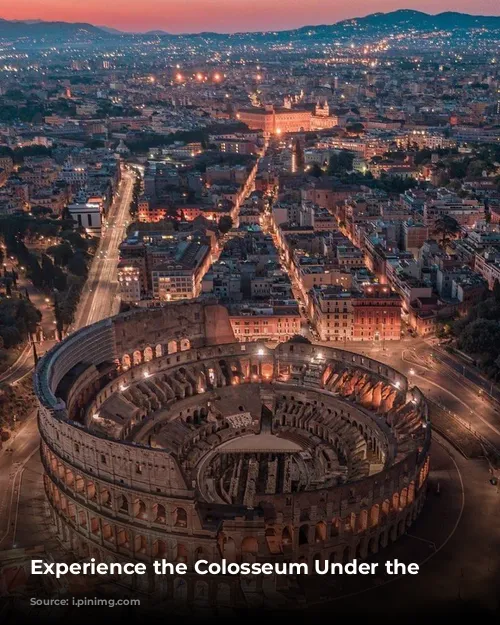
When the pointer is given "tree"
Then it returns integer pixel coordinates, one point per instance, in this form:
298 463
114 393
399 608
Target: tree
298 338
78 265
340 163
10 336
447 227
496 291
61 253
355 128
315 170
136 192
481 337
225 224
60 280
458 169
75 239
423 156
47 271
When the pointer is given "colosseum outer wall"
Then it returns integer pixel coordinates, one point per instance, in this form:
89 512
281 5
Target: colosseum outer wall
121 499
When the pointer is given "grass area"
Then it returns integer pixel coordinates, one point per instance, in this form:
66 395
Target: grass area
9 356
16 403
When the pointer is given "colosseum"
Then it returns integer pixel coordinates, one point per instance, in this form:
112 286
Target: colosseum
165 438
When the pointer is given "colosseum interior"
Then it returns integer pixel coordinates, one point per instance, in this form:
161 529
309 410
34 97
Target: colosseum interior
163 437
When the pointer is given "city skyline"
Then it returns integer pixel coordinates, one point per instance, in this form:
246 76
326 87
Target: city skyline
225 15
249 310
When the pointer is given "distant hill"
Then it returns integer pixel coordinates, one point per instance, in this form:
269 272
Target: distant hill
405 20
112 31
54 31
158 33
374 25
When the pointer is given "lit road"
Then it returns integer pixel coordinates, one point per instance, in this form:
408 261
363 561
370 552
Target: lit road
100 293
98 301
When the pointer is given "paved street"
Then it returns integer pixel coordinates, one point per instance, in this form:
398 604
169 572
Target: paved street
99 298
96 304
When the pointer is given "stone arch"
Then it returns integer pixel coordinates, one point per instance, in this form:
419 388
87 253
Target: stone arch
159 548
104 496
79 484
159 351
140 544
123 504
181 553
272 540
386 508
137 357
403 499
180 517
82 518
362 521
374 515
335 528
201 594
227 547
140 510
185 344
148 354
287 536
223 596
123 538
199 553
91 490
250 545
180 589
159 514
320 532
126 361
395 501
172 347
69 477
108 532
304 535
267 370
411 492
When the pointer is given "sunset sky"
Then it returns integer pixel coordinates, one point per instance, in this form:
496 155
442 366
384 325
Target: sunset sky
223 15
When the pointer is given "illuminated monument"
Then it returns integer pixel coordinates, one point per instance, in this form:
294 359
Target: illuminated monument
163 437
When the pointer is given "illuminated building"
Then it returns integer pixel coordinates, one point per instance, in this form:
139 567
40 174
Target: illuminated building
164 437
276 120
